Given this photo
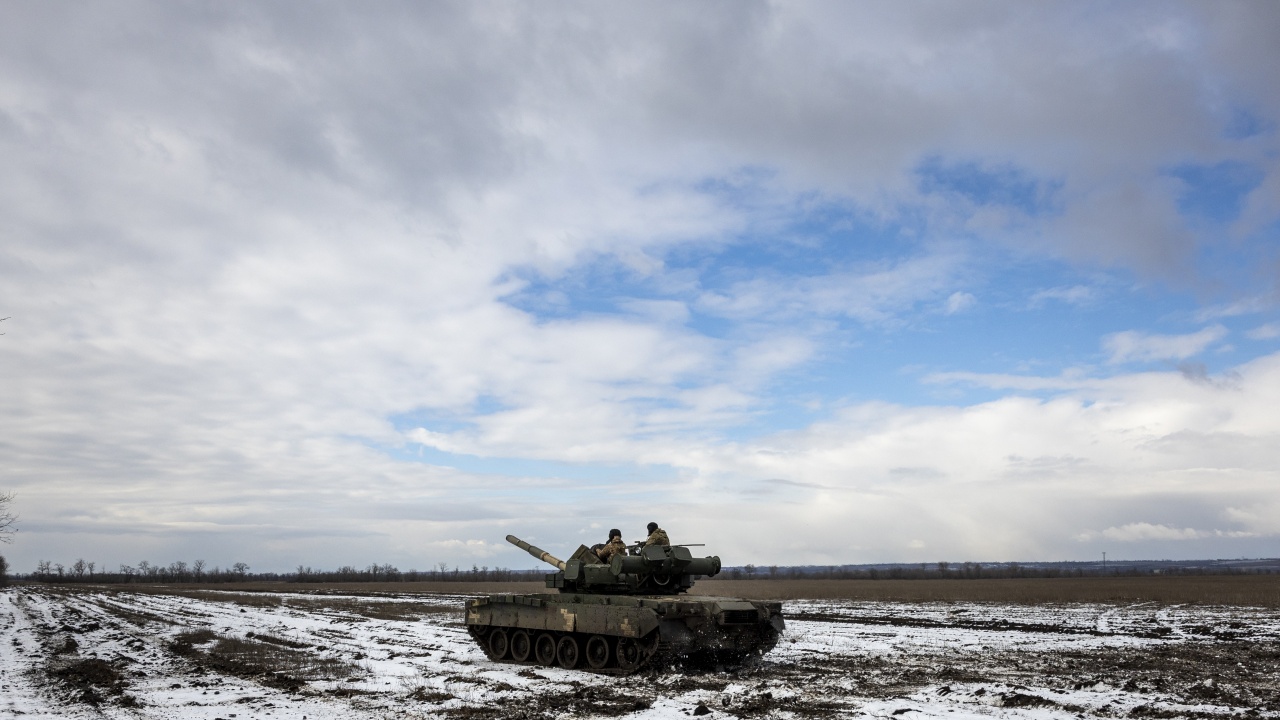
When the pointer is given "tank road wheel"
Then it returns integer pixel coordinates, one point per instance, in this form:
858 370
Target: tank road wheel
497 644
567 652
521 646
629 654
544 649
597 652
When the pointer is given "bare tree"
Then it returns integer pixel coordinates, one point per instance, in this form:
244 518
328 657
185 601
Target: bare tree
78 567
91 566
241 568
7 518
197 569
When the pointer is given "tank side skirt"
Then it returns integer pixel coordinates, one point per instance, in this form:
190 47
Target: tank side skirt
593 619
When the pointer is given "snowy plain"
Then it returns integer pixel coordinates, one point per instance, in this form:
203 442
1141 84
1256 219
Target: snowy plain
96 652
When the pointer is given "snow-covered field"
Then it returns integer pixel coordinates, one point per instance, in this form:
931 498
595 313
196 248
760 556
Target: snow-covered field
79 653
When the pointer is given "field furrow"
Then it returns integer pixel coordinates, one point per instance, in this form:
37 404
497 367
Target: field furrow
208 654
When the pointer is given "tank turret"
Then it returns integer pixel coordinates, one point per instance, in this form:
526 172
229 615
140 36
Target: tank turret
650 570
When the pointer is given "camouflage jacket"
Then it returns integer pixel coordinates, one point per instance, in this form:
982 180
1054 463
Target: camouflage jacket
658 537
615 546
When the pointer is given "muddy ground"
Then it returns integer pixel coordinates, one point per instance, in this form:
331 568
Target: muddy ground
95 652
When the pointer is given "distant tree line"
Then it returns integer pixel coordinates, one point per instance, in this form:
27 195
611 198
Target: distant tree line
390 573
972 571
82 571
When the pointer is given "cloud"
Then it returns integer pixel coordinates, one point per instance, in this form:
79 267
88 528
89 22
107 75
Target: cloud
1016 472
1243 306
1070 380
958 302
874 295
257 260
1268 331
1136 346
1073 295
1137 532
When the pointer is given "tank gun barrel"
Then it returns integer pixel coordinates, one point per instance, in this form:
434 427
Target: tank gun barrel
537 552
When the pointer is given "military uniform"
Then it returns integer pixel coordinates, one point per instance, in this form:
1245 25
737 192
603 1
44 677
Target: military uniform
615 546
658 537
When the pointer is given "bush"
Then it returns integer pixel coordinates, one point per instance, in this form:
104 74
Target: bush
4 571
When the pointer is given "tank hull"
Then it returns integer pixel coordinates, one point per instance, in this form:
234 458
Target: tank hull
622 634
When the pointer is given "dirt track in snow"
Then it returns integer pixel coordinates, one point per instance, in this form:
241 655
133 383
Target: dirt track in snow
90 652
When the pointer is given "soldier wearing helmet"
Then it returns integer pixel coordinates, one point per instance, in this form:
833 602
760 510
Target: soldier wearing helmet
615 546
657 536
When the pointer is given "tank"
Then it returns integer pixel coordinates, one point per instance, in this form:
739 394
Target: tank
620 617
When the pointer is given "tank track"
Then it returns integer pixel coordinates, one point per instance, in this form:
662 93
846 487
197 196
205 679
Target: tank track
600 654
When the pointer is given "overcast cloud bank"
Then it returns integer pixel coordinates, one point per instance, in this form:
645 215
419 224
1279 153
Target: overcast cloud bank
811 283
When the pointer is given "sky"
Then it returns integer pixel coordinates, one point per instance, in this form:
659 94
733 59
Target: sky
810 283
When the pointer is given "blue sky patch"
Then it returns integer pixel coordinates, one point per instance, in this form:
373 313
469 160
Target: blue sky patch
1216 192
1245 124
1004 185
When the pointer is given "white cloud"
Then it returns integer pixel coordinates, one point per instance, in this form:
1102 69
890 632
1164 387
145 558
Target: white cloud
1268 331
1147 531
1072 295
1016 477
958 302
1137 346
1244 306
1138 532
439 441
879 294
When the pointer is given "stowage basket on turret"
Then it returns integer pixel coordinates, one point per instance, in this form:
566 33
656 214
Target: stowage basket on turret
619 617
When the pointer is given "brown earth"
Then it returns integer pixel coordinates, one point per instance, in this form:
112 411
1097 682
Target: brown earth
1243 590
1215 663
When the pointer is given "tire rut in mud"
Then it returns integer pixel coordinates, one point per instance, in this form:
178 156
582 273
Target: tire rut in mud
92 681
1235 676
981 625
599 699
275 663
81 679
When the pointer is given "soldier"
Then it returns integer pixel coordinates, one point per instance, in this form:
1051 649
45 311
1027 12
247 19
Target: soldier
615 546
657 536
